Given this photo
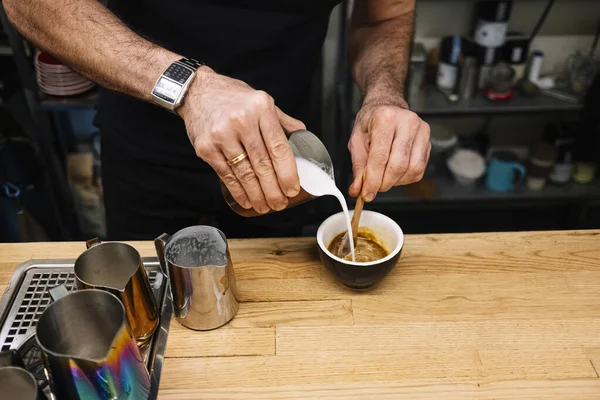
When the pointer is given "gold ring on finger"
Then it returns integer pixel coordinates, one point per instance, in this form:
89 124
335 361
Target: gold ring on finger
237 159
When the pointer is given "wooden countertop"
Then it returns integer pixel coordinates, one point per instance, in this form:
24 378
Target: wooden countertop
476 316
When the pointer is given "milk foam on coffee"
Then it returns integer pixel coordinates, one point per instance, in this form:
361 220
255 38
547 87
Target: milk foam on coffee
317 182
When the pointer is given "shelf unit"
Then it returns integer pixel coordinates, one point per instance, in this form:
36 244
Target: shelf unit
25 105
59 103
432 101
448 190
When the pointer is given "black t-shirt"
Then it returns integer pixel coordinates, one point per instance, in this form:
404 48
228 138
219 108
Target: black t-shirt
272 45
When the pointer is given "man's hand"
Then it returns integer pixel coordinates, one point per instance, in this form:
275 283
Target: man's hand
225 117
388 139
392 143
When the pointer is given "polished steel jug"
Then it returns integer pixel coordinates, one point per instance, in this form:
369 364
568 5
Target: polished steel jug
305 145
88 349
18 384
117 268
200 271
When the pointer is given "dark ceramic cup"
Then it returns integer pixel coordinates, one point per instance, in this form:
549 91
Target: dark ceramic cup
361 276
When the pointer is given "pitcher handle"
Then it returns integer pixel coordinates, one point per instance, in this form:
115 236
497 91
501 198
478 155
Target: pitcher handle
92 242
160 243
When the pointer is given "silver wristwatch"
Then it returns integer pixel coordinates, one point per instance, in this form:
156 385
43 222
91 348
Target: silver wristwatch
172 86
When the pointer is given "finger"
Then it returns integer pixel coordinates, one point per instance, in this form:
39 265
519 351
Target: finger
288 123
399 160
223 170
281 154
418 157
245 175
263 169
358 148
381 131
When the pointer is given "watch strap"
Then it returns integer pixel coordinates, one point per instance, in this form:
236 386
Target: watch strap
190 62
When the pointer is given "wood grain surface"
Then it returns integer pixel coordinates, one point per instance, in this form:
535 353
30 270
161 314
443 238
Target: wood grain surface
470 316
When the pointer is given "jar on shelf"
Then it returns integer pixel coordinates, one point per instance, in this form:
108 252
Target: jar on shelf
443 142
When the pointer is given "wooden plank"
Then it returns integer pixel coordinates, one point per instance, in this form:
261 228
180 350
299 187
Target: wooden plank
427 367
293 313
580 389
535 335
593 354
355 391
455 297
545 362
432 367
303 289
184 342
251 332
576 389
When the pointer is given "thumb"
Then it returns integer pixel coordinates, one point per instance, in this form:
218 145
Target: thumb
288 123
359 155
356 186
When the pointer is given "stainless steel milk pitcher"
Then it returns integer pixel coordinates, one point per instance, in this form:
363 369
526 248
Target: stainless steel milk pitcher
200 271
18 384
117 268
305 145
88 348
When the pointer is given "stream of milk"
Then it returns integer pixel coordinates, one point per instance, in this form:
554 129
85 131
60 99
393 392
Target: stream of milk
316 181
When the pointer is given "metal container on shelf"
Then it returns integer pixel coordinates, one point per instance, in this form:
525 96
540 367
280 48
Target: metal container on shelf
468 78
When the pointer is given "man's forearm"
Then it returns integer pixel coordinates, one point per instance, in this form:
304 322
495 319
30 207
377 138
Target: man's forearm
93 41
380 54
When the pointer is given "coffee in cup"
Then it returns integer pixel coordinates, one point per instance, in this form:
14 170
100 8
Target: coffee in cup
368 246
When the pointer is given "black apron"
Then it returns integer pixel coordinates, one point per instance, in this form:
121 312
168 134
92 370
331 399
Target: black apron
153 181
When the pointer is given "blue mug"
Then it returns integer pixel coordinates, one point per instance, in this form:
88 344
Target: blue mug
501 174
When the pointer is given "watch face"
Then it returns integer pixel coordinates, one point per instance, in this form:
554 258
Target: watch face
167 90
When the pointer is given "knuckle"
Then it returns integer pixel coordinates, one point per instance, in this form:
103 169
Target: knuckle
263 99
254 149
228 179
404 147
379 158
427 134
263 167
385 188
398 168
413 120
351 145
246 174
239 116
354 143
217 130
385 114
280 150
417 171
426 128
203 149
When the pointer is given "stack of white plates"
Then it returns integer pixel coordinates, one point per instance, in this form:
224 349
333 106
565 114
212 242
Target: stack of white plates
57 79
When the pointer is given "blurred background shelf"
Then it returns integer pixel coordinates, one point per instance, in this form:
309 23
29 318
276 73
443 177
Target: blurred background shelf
5 50
59 103
431 101
448 190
